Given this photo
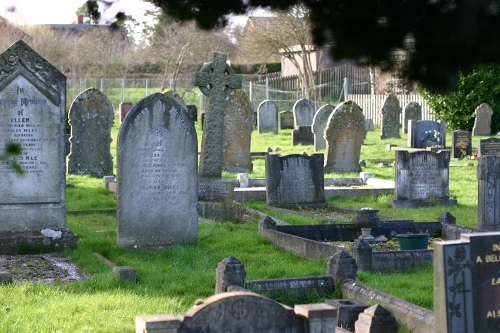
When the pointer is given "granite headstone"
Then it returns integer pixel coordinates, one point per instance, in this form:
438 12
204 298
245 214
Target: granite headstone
461 144
320 121
412 111
303 113
482 123
488 202
422 133
267 117
489 147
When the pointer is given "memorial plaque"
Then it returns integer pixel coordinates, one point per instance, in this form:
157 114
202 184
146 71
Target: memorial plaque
489 147
461 144
157 175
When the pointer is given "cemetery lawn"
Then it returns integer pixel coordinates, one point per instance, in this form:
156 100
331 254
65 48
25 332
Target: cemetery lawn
171 279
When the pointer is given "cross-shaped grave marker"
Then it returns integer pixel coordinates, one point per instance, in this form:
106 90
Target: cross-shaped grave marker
216 80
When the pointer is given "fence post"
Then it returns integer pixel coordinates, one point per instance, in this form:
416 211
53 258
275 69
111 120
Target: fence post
123 90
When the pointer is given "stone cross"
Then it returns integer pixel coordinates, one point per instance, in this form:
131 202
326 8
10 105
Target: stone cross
216 80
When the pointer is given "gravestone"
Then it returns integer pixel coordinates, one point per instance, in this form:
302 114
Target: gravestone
192 112
302 135
482 123
157 175
369 125
243 311
174 95
238 126
286 120
412 111
91 117
418 131
32 114
216 80
467 284
267 117
303 113
390 111
294 179
422 179
488 175
344 135
124 108
320 121
461 144
489 147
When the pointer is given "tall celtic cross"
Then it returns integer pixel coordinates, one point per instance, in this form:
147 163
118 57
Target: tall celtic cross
216 80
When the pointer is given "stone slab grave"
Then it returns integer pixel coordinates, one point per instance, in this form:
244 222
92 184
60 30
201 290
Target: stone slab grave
157 175
303 113
91 117
390 112
267 117
411 111
489 147
32 114
488 175
238 127
286 120
344 135
467 284
482 122
461 144
320 121
294 179
422 179
421 132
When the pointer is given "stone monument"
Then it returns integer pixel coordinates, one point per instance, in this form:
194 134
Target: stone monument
303 113
267 117
390 111
320 121
482 123
412 111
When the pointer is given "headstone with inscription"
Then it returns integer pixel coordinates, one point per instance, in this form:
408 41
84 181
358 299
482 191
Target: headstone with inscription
422 179
489 147
295 178
32 114
412 111
303 112
390 111
424 133
461 144
482 123
238 127
320 121
344 135
467 284
286 120
157 175
267 117
488 202
91 117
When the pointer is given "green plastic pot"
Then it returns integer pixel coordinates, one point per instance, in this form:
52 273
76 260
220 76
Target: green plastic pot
413 241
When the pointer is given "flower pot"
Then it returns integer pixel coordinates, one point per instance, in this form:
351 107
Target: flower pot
413 241
429 144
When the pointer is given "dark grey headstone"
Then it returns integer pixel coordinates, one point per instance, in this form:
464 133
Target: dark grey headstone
157 175
390 111
422 179
229 272
488 205
91 117
482 123
286 120
238 127
302 135
192 112
420 132
344 135
294 179
370 127
412 111
124 109
32 114
320 121
461 144
303 113
267 117
489 147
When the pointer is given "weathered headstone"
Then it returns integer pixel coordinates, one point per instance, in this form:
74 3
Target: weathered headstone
482 123
422 133
461 144
157 175
238 126
489 147
267 117
294 179
422 179
344 135
124 108
369 125
303 113
488 205
175 95
320 121
32 114
216 80
412 111
467 284
91 117
302 135
390 111
286 120
192 112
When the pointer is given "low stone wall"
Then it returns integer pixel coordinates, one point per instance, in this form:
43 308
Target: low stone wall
294 287
414 317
